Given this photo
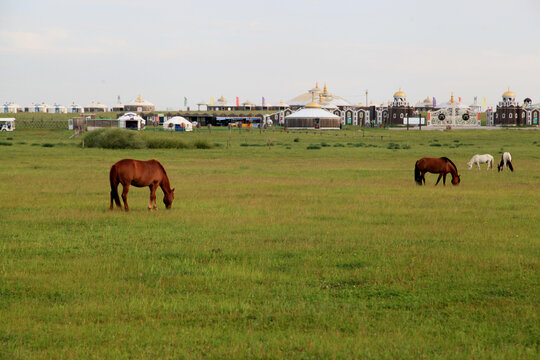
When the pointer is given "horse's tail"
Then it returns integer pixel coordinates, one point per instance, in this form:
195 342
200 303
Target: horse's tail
113 179
417 175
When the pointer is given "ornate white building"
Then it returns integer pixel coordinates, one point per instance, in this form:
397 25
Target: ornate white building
454 114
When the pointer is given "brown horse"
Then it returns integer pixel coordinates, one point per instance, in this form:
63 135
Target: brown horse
140 174
441 166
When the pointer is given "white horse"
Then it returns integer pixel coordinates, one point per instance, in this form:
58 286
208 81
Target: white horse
506 160
481 159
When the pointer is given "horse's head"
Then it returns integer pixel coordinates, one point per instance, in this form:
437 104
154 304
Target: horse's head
469 165
168 199
456 180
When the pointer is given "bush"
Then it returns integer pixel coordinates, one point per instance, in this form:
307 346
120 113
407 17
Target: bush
5 143
324 144
313 146
163 143
202 144
405 146
339 145
296 140
392 146
129 139
47 145
114 139
434 144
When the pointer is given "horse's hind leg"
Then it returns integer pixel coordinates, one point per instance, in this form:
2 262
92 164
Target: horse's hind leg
124 196
439 179
444 179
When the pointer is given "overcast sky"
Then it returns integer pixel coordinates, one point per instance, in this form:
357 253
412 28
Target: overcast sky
64 51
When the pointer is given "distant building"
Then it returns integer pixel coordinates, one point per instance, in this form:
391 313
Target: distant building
96 107
140 105
75 108
453 113
398 110
312 116
57 109
10 107
38 108
510 113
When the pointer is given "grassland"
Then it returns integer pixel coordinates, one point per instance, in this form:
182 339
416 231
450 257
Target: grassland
271 249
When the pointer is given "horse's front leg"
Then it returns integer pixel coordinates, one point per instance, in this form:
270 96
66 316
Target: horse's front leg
124 196
152 197
439 179
444 180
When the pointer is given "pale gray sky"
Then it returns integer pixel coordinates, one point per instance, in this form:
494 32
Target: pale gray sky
64 51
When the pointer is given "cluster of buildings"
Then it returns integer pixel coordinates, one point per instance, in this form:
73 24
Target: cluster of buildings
137 105
320 109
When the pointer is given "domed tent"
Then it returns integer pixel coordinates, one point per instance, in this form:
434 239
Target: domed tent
131 121
312 117
177 123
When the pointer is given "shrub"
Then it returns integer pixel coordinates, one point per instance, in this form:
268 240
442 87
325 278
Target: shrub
296 140
434 144
47 145
313 146
405 146
166 143
392 146
5 143
114 139
339 145
324 144
202 144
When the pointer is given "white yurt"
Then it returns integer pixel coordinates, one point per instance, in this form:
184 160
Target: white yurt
312 117
57 109
75 108
11 107
178 123
131 121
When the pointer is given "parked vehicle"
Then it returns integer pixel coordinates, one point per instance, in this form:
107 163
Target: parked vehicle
7 124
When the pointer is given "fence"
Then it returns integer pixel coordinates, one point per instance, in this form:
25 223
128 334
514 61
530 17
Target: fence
41 124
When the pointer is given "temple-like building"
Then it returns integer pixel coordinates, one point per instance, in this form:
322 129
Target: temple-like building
510 113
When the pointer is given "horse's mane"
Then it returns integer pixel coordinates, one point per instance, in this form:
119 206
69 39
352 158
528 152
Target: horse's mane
450 161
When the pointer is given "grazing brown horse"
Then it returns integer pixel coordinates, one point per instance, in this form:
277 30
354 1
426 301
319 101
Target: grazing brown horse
441 166
140 174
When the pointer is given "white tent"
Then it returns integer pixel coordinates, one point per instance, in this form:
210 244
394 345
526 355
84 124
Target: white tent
172 123
131 121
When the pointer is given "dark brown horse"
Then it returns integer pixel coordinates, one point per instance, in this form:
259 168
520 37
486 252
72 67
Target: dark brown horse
140 174
441 166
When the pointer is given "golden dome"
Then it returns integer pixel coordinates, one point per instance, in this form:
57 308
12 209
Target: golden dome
313 104
509 93
400 94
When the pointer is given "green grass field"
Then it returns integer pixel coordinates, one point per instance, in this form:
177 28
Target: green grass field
272 250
